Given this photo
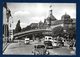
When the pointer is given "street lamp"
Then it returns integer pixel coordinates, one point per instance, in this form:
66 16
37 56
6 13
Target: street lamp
10 29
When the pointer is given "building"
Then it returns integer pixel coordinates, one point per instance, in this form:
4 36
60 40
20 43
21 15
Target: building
66 21
50 19
40 25
34 25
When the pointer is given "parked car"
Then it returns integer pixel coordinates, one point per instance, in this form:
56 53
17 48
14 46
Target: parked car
48 44
55 43
40 50
27 41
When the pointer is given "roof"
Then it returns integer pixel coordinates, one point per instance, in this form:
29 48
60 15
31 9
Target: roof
65 16
57 22
48 36
33 24
51 17
26 38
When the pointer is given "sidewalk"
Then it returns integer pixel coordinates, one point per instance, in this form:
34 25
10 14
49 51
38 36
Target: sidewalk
18 49
5 45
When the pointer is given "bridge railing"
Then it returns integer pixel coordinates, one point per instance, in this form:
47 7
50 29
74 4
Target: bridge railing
34 30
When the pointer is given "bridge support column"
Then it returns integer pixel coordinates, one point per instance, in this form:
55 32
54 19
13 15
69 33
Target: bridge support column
33 37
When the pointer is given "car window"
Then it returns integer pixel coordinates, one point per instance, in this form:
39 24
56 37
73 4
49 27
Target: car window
40 46
49 38
49 44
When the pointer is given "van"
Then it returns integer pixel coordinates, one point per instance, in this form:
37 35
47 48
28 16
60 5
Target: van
27 40
48 38
48 42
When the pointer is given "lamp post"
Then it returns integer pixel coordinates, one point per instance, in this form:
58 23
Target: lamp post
10 29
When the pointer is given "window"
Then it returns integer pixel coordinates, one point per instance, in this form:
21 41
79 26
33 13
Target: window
49 38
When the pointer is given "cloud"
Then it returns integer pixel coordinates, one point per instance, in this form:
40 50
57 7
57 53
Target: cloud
22 24
27 22
34 12
21 13
38 19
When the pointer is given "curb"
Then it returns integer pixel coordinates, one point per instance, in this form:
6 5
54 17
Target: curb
4 48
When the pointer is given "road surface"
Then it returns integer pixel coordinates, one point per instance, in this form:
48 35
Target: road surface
23 49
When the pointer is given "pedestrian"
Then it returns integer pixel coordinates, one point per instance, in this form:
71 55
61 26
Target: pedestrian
71 44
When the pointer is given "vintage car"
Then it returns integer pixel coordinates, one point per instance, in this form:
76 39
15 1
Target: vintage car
55 43
40 50
48 44
27 41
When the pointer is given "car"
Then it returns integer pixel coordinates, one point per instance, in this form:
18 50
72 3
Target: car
27 41
55 43
40 49
48 44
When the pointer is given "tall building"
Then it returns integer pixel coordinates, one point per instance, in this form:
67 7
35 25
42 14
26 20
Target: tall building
50 19
67 21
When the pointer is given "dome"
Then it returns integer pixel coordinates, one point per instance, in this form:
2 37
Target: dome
66 16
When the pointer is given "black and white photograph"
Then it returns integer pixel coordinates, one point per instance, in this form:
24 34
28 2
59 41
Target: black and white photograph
39 28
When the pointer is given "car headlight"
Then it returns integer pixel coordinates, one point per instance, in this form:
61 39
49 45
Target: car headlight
47 52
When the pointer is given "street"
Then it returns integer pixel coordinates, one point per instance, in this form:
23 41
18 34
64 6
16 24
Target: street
26 49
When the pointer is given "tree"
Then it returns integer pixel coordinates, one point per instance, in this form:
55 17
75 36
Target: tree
72 32
57 31
18 27
26 28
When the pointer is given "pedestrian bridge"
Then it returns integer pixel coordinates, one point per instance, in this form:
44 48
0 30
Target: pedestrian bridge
21 34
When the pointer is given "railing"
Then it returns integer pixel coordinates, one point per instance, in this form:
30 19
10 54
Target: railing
34 30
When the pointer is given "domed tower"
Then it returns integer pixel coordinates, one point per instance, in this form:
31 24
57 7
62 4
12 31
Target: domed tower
67 21
65 17
50 10
50 18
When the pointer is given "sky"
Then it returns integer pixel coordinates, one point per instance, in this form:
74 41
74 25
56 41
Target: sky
29 13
